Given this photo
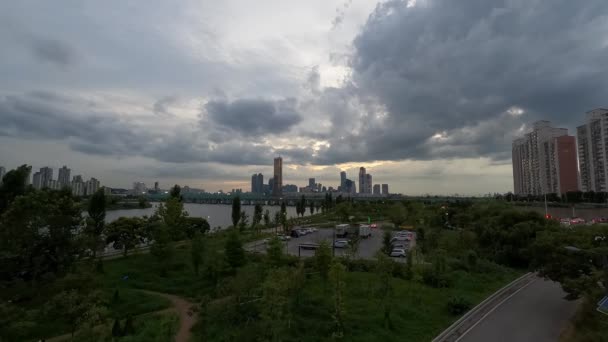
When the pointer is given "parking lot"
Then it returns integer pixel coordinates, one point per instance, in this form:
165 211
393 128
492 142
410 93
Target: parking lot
368 247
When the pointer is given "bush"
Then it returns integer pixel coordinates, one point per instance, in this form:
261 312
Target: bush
435 279
458 305
359 265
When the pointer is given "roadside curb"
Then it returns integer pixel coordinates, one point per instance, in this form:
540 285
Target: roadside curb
459 328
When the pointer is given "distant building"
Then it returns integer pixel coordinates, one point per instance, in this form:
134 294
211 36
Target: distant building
108 191
254 183
271 185
349 187
260 184
77 178
376 189
156 188
593 151
139 188
290 188
311 183
342 181
37 180
64 177
78 187
323 189
91 186
544 161
362 179
46 175
278 177
319 187
368 183
2 173
385 189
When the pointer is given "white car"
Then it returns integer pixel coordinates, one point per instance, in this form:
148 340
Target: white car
310 230
341 243
284 237
400 246
400 253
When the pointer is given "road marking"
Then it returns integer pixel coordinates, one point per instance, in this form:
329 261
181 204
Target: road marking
492 310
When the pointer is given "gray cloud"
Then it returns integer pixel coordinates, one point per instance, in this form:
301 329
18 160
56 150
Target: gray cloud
457 66
254 117
53 51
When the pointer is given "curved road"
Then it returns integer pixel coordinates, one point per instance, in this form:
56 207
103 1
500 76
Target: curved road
537 313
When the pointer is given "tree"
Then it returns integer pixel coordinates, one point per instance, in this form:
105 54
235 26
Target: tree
96 222
162 249
267 218
13 184
386 242
236 211
196 225
197 251
385 291
128 329
323 259
302 206
312 207
38 235
409 272
175 192
233 250
277 220
397 215
336 276
275 305
283 209
173 215
77 309
274 253
243 221
257 216
116 329
125 233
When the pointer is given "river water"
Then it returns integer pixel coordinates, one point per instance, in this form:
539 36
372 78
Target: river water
216 214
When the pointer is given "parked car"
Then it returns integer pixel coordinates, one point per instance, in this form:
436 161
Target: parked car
341 243
400 253
296 233
400 246
399 238
309 230
309 246
283 237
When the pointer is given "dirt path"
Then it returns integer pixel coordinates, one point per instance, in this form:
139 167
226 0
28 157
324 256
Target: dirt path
187 318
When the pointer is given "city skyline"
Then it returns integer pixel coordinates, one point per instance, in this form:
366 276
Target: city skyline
149 98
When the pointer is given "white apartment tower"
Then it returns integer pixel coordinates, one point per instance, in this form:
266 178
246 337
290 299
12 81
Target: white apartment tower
592 140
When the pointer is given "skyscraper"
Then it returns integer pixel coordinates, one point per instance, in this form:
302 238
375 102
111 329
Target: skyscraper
156 189
2 173
254 183
37 180
376 189
91 186
64 177
271 185
311 183
592 151
385 189
362 179
544 161
343 181
260 184
46 175
368 183
277 189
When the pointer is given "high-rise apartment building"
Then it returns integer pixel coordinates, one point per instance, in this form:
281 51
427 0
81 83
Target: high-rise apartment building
91 186
77 178
544 161
376 189
37 180
368 183
156 188
343 181
385 189
2 173
63 179
311 183
46 175
277 189
77 188
254 183
260 184
593 151
362 179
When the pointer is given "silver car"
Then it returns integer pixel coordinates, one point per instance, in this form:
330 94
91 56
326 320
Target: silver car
400 253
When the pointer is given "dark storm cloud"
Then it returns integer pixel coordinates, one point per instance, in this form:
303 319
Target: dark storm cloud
254 117
457 67
53 51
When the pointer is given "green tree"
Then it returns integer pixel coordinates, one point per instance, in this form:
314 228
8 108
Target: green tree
173 215
14 183
257 216
277 220
384 271
162 249
196 225
125 233
116 328
197 251
397 215
312 207
386 242
233 250
243 221
128 329
77 309
274 254
175 192
283 209
236 211
96 222
323 259
275 304
336 276
409 272
267 218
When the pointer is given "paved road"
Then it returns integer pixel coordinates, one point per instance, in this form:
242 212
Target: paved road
537 313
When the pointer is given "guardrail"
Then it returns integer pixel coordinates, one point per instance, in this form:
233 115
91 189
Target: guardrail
466 322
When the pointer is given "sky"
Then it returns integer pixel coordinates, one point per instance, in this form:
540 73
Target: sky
426 94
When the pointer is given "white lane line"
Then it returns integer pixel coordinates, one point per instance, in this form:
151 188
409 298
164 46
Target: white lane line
494 308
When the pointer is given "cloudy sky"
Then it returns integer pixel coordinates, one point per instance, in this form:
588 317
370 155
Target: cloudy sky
426 94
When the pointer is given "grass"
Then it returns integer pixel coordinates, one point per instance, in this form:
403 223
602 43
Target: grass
148 328
588 325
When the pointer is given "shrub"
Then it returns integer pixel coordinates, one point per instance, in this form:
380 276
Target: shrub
435 279
458 305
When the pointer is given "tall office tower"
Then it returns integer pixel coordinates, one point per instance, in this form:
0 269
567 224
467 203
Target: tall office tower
260 185
2 173
385 189
254 183
77 187
271 185
77 178
544 161
368 183
593 151
343 181
376 189
46 175
156 189
311 183
362 179
37 181
91 186
64 177
277 189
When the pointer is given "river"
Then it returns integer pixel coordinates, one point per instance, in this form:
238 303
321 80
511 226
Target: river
216 214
